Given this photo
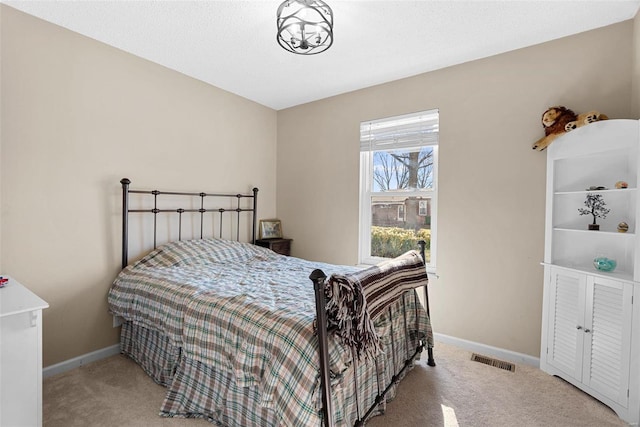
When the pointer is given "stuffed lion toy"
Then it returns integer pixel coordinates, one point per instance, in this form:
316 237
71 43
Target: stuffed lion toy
559 120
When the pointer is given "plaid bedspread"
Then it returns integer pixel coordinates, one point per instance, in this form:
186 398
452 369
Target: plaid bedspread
239 309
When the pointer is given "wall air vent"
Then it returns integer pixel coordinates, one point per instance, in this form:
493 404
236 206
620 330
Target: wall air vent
493 362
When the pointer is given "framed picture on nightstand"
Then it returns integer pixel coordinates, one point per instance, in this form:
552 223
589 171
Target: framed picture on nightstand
270 229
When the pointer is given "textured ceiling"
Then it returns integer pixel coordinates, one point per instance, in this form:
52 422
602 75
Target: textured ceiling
232 44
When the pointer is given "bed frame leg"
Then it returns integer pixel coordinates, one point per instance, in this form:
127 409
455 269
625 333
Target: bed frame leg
430 360
318 277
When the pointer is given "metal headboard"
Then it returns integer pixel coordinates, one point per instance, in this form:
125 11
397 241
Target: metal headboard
201 210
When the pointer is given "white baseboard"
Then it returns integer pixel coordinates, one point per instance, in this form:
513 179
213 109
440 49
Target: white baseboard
76 362
487 350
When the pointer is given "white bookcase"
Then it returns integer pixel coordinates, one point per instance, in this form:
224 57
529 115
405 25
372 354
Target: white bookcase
20 356
589 315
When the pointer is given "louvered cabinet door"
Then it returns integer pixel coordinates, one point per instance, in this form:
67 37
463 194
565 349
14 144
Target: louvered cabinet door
566 321
608 337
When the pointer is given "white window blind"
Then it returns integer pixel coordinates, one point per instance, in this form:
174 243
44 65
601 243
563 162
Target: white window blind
400 132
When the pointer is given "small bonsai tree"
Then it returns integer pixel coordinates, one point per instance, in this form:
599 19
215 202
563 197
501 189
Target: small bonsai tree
595 206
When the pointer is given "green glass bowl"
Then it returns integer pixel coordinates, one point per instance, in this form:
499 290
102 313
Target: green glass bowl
604 264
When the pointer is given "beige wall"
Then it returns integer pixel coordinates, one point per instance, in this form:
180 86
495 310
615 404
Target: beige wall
77 116
635 93
492 185
1 131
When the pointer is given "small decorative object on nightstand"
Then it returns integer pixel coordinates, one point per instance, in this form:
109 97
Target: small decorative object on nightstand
270 229
281 246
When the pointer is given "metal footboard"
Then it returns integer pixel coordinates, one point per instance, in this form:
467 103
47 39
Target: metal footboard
318 278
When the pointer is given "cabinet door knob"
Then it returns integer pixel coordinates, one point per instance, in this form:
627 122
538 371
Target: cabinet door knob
578 327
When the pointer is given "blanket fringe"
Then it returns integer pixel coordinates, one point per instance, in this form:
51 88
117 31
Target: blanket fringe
347 313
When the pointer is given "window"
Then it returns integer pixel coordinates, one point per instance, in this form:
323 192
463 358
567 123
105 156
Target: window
400 212
398 185
422 208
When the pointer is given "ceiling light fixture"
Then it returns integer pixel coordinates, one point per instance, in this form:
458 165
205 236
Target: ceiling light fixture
305 27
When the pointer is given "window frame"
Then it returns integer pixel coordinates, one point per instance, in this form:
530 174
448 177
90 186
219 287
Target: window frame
367 193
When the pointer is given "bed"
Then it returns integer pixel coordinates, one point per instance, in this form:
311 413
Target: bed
242 336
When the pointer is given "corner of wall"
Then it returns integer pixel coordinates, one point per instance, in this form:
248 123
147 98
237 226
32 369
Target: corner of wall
1 121
635 71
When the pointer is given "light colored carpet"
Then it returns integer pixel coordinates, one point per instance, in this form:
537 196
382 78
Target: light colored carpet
457 392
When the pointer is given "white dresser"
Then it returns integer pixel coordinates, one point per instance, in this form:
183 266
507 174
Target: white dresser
20 356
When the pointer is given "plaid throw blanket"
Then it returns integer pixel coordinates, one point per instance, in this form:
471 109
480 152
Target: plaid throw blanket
355 300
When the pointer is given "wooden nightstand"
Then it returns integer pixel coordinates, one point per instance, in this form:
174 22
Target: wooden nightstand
280 246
